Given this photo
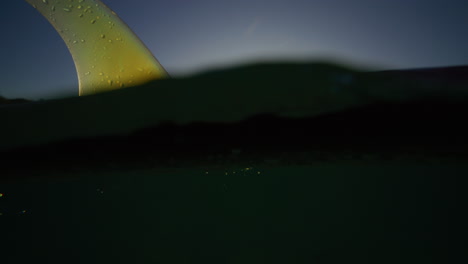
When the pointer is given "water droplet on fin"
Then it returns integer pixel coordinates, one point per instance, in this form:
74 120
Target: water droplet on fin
94 59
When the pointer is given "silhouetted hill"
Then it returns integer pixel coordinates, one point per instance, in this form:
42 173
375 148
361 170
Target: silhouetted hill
454 74
229 95
5 101
427 128
255 110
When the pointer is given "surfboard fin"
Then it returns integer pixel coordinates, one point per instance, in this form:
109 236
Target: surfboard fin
106 52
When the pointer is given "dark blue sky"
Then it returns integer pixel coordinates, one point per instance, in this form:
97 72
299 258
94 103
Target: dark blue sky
189 36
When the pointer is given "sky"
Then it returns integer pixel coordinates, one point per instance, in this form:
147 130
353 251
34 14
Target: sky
190 36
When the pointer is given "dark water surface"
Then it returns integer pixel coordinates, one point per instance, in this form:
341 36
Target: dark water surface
328 212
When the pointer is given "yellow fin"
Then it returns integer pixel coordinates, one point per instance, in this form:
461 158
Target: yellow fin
107 54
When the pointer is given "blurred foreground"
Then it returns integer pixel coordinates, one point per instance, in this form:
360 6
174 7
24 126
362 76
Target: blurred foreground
259 164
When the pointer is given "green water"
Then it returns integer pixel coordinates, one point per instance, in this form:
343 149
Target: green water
329 212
